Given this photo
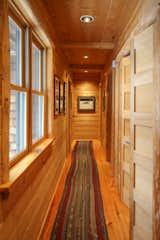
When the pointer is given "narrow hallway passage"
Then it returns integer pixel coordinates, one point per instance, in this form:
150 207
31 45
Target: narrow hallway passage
115 212
79 71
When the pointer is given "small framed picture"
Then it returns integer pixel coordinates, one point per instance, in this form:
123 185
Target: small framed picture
61 97
86 104
64 97
56 95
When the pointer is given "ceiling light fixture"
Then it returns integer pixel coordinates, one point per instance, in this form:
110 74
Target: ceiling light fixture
86 19
86 57
86 71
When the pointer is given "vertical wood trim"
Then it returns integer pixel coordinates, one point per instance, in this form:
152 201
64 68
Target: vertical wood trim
113 124
4 88
124 88
68 116
117 125
29 130
120 122
69 113
71 97
134 60
119 103
44 68
23 59
132 204
106 93
156 132
50 90
100 109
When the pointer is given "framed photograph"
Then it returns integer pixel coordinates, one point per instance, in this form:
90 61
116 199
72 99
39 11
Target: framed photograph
56 95
61 97
86 104
64 97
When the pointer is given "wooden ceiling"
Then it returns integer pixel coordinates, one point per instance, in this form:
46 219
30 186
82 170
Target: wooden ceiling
97 39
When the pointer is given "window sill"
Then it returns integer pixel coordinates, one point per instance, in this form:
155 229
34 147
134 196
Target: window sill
20 169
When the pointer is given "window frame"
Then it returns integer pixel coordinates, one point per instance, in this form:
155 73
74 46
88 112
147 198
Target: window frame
26 85
23 27
21 88
41 92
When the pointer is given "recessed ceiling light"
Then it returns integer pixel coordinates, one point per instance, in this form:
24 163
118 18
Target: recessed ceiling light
86 71
86 19
86 57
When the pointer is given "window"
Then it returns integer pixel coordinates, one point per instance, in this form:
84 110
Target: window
27 90
15 53
18 95
37 92
36 56
17 122
37 117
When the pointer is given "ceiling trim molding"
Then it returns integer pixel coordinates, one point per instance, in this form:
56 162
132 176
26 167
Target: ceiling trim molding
87 66
89 45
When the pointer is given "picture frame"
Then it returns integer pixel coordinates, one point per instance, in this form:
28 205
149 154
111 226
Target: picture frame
86 104
56 95
64 97
61 104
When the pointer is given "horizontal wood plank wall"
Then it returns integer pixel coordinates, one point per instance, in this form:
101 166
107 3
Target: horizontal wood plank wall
25 208
85 125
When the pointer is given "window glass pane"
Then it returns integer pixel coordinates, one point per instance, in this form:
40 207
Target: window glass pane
35 68
15 53
17 130
37 117
44 70
27 58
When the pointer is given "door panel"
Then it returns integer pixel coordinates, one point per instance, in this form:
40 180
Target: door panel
125 156
142 134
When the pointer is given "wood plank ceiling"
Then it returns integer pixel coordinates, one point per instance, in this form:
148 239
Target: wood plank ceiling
97 39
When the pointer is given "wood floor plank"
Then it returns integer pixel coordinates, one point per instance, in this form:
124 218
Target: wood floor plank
116 213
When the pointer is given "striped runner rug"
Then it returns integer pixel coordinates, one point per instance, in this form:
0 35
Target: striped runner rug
80 215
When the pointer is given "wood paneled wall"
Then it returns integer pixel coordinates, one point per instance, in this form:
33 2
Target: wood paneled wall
23 210
85 125
143 36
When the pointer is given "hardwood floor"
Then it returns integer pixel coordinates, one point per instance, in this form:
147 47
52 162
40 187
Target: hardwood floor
116 213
